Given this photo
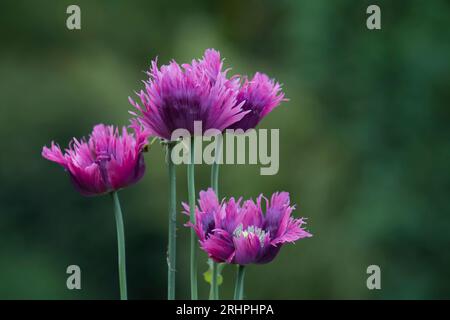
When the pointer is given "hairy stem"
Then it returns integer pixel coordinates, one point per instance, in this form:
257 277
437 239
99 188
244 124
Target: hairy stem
172 251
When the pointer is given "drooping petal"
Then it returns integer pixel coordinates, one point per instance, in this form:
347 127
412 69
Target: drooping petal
54 154
88 180
219 246
126 173
268 253
198 226
292 233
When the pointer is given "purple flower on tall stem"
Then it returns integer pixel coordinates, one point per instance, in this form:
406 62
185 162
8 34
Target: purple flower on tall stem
237 232
106 162
175 96
259 96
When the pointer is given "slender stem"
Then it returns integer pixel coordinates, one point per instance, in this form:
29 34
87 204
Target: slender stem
214 281
191 191
211 287
239 289
216 165
214 290
120 247
172 251
215 177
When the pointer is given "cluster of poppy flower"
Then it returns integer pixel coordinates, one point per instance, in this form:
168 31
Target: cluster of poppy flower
174 96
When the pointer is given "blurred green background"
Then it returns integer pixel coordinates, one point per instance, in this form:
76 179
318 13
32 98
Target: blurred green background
365 143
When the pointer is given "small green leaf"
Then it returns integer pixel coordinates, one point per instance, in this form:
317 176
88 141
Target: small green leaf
207 275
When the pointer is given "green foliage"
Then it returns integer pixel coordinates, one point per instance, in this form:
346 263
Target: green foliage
207 275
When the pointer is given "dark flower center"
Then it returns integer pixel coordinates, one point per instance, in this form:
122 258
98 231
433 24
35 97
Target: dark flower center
208 224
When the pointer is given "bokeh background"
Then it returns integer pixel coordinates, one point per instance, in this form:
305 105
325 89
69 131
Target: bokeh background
364 143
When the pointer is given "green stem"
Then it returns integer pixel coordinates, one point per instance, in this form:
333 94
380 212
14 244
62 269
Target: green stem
172 251
215 178
191 191
214 281
120 247
214 290
239 289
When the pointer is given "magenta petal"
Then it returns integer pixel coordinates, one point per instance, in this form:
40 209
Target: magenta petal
128 172
107 161
186 208
54 154
292 233
240 234
88 180
248 249
251 214
260 96
219 246
208 200
277 214
175 96
269 253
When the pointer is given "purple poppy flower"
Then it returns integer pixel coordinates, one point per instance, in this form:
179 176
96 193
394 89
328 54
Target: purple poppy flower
175 96
237 233
260 96
106 162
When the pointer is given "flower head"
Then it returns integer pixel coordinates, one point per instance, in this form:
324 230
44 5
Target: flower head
106 162
238 232
175 96
260 96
